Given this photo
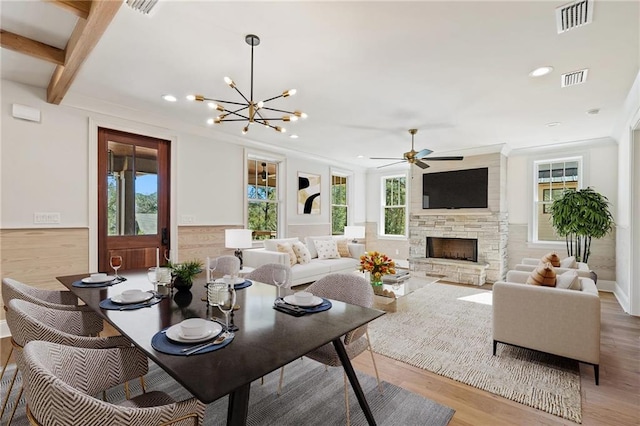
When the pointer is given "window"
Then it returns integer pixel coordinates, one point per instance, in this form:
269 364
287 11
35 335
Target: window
394 206
552 178
339 204
262 198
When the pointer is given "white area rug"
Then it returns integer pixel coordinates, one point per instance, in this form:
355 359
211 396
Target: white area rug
433 330
486 298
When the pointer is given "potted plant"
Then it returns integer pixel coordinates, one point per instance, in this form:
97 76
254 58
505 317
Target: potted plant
377 264
184 272
580 216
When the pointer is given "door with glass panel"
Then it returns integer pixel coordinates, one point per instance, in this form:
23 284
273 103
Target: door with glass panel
133 199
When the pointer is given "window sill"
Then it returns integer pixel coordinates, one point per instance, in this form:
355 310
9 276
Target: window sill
393 237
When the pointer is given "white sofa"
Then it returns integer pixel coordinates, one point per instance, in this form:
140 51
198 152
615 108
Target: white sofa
548 319
311 271
528 264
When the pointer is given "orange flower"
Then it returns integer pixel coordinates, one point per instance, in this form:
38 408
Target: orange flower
377 263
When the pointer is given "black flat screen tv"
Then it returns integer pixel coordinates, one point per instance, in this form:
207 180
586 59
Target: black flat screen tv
459 189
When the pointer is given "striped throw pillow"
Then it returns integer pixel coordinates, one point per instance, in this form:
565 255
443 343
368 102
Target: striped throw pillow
551 258
543 275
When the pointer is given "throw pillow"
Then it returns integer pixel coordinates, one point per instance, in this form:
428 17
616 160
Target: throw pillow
343 247
568 280
551 258
302 253
543 275
311 245
272 245
286 248
327 249
569 262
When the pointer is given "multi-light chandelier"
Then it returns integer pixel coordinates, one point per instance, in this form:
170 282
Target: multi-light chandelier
249 110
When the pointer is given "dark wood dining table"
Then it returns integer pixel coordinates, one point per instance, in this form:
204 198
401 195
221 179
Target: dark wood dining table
265 341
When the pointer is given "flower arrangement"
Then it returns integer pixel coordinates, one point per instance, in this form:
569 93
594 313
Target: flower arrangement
377 264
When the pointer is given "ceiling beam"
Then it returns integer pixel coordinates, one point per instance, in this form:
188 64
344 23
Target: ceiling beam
80 8
30 47
84 38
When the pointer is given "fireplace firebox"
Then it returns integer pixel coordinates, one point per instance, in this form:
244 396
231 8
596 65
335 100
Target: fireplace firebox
453 248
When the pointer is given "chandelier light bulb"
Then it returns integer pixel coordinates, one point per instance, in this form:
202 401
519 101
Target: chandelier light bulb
217 120
191 97
293 118
229 82
260 104
300 114
210 121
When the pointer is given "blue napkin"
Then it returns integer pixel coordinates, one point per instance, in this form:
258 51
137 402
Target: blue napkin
110 305
240 286
114 281
301 310
161 343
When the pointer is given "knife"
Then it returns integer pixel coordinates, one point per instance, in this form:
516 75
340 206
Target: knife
229 335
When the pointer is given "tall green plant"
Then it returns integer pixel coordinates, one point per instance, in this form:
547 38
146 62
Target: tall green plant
580 216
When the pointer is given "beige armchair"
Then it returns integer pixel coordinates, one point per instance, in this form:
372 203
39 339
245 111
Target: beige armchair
557 321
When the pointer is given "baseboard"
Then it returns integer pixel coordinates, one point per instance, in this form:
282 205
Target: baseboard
622 298
606 285
4 329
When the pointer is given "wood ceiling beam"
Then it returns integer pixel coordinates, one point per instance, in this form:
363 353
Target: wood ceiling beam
30 47
80 8
84 38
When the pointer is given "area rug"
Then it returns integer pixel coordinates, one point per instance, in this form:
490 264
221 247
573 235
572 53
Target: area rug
433 330
310 396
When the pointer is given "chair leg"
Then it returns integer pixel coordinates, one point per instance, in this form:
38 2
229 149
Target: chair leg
281 380
4 367
4 405
596 371
375 367
346 397
15 405
142 384
127 394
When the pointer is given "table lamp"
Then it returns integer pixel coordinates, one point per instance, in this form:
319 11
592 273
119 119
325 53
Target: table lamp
354 232
238 239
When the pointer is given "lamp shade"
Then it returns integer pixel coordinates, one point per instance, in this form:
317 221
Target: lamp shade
237 238
354 231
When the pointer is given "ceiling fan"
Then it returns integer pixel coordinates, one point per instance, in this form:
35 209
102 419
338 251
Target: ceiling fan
415 157
263 173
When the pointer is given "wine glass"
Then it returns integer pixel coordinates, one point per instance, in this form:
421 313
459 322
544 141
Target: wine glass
213 264
116 263
152 275
226 302
280 277
167 255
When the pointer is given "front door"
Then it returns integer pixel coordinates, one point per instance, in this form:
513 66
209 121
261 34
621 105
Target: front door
133 199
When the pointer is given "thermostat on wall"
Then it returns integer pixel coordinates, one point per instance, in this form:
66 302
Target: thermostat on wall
26 113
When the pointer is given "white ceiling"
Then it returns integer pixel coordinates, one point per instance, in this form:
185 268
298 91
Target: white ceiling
365 72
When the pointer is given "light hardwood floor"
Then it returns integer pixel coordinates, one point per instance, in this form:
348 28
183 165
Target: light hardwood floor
616 401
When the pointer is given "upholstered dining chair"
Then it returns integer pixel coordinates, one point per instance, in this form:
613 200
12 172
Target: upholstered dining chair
264 273
29 322
60 392
56 299
353 289
227 265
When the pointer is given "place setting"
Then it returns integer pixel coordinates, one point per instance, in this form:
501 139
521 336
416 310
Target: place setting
192 336
102 279
301 303
131 299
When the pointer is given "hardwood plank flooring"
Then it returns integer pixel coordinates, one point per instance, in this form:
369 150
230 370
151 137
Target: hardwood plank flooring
616 401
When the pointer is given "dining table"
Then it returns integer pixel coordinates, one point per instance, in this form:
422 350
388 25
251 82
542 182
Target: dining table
265 340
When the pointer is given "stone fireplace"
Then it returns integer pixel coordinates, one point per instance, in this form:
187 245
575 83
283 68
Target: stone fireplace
453 248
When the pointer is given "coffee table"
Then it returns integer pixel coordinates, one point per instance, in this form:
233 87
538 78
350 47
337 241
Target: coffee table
387 296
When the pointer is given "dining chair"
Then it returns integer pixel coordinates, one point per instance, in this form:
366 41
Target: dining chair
228 265
55 299
264 273
29 322
353 289
60 392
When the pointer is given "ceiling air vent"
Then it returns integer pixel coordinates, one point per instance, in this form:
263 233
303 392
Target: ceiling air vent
573 15
143 6
575 77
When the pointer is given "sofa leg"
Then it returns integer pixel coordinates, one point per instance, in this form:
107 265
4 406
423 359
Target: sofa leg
495 345
596 370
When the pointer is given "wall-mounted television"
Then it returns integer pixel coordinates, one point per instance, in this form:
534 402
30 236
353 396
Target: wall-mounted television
459 189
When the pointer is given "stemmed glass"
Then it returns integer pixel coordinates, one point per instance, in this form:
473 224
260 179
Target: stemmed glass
226 302
280 277
213 264
116 263
152 275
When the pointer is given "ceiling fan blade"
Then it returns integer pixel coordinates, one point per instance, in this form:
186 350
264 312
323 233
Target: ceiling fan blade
391 164
421 164
385 158
445 158
423 153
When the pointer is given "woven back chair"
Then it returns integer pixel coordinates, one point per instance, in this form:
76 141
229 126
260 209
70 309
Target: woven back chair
60 392
264 273
227 265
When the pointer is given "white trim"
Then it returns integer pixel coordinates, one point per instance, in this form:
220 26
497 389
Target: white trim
622 298
4 329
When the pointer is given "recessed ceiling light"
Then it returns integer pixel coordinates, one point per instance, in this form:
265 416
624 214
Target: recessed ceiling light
294 136
539 72
553 124
169 98
593 111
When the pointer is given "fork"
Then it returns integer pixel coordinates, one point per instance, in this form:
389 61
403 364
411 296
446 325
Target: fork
221 338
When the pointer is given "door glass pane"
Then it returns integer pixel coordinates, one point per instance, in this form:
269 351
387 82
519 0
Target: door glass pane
132 190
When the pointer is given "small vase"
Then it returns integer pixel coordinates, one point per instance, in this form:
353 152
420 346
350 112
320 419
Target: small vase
376 281
181 285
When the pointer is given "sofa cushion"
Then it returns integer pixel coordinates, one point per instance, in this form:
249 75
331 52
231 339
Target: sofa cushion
569 262
286 248
327 249
551 257
311 271
568 280
302 252
543 275
272 245
343 247
311 245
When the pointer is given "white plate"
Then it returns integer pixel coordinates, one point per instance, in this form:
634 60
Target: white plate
291 299
142 297
238 280
90 280
212 329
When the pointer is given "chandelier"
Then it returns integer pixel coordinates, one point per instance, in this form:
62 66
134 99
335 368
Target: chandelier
249 110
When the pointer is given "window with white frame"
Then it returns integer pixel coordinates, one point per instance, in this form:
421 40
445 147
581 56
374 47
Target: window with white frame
394 206
263 198
551 179
339 204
